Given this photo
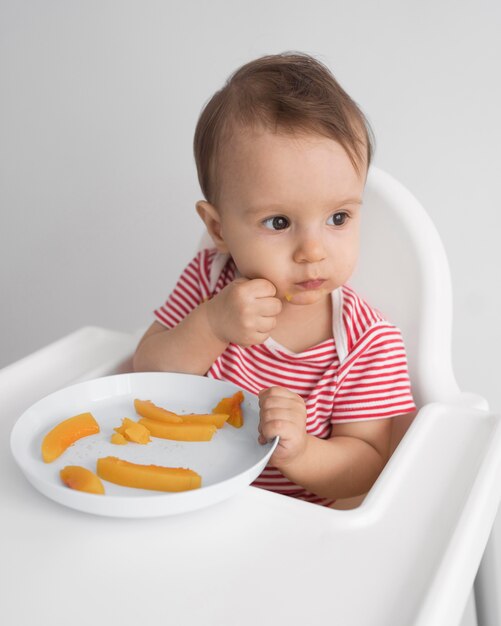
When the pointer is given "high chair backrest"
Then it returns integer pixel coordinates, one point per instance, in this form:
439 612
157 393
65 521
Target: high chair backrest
403 272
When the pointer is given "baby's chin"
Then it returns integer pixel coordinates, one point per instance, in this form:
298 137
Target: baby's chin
311 296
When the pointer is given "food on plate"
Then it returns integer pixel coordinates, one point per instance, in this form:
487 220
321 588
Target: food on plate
232 405
81 479
155 421
156 477
133 431
185 431
218 419
118 439
190 426
66 433
228 410
146 408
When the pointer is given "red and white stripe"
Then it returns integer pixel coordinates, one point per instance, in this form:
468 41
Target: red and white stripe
358 374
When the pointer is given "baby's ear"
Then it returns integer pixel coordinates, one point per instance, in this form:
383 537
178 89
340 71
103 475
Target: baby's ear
212 220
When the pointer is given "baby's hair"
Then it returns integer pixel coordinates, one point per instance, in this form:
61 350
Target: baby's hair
289 92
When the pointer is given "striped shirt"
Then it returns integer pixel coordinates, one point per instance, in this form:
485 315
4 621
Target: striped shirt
359 373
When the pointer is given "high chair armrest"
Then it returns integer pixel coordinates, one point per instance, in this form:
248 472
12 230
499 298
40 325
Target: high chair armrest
441 489
471 400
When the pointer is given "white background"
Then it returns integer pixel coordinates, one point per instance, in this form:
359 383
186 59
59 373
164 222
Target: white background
98 105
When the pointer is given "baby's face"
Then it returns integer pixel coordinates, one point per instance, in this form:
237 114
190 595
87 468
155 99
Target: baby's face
290 211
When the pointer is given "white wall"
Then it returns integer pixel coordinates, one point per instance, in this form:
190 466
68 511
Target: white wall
98 104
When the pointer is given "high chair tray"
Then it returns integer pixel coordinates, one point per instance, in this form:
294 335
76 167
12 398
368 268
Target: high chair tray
407 555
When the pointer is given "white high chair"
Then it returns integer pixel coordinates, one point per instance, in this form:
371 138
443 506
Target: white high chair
407 556
404 272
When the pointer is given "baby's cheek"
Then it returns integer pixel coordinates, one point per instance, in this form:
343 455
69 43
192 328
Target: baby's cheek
259 262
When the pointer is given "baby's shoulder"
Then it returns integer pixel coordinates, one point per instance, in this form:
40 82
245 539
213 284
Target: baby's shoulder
357 308
360 321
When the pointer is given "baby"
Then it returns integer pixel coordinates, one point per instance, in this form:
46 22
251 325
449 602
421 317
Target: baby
282 154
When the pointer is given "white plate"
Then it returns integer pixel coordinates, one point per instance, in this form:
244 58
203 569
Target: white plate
227 463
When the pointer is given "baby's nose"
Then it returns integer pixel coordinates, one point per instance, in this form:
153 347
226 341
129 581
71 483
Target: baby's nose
309 250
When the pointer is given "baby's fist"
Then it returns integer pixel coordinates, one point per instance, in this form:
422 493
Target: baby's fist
282 413
245 311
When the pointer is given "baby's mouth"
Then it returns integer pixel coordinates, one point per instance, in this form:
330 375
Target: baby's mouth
307 286
311 284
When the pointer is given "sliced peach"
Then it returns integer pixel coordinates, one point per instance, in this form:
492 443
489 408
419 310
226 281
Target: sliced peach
133 431
180 432
224 406
81 479
137 433
66 433
218 419
118 439
232 405
146 408
154 477
126 422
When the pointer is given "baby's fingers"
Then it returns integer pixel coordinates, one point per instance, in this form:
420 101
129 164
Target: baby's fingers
259 287
265 325
276 428
269 307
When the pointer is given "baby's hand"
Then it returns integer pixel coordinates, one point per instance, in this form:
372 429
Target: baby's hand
244 312
282 413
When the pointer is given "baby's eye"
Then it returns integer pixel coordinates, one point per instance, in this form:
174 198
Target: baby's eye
338 219
279 222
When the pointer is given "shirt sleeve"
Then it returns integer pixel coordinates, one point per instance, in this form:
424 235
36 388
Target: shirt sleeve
191 289
373 382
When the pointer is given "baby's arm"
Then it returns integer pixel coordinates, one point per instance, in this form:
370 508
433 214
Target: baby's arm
190 347
243 312
345 465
